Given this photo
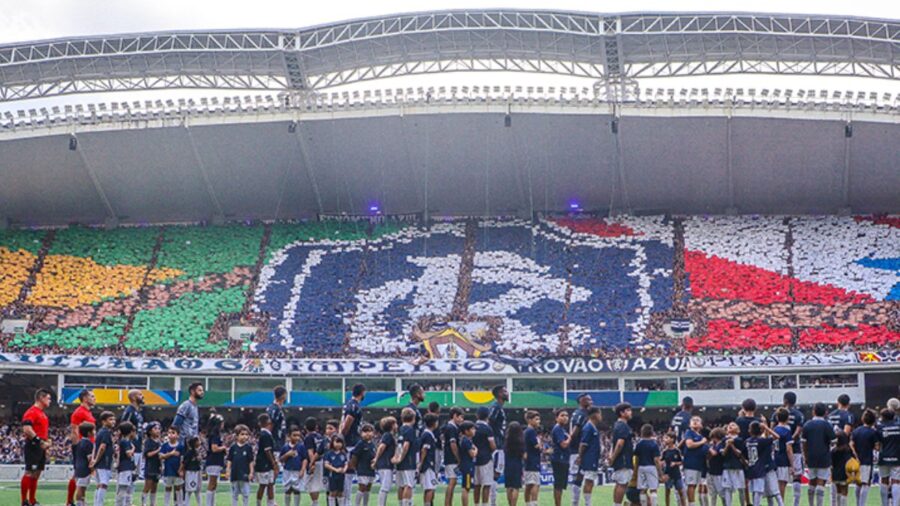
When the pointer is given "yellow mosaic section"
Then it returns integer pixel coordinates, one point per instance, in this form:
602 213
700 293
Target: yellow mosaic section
67 281
14 268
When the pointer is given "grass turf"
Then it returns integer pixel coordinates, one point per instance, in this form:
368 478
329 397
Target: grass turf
54 494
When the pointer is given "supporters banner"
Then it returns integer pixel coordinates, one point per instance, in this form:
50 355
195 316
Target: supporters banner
469 366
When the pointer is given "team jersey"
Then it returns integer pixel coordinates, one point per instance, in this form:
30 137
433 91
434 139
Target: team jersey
497 421
214 458
889 437
864 439
785 440
136 417
716 463
579 418
407 434
840 418
744 423
82 414
759 457
279 424
621 431
173 463
81 457
294 463
126 463
558 436
314 443
731 458
590 439
428 443
795 421
336 460
694 458
390 447
672 457
265 444
241 458
817 436
365 452
466 463
646 451
680 424
352 408
152 465
105 459
450 435
532 450
420 422
37 419
192 460
482 441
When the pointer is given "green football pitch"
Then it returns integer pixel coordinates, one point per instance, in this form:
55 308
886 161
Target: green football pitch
54 494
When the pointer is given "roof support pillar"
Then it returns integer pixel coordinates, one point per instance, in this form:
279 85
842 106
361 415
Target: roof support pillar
219 215
78 147
729 165
296 128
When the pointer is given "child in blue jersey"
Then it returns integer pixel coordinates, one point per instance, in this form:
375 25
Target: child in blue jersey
862 443
589 447
125 469
335 462
533 452
103 455
427 458
649 464
733 478
315 472
840 455
889 456
761 475
784 450
817 437
293 458
170 453
467 455
361 461
715 466
694 447
514 461
152 463
384 453
673 461
215 456
239 465
190 470
82 459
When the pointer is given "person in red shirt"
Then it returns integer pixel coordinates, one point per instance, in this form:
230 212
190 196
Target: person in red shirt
35 428
81 414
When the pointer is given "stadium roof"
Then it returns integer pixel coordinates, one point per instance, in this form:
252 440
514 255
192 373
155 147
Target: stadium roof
478 150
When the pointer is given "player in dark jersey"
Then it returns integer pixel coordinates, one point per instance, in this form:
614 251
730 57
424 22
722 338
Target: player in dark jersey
761 475
384 454
862 443
497 421
266 465
579 418
622 451
795 422
817 437
276 415
841 421
314 442
484 464
81 414
681 422
589 448
559 458
428 465
293 459
215 455
416 398
152 463
351 418
405 457
889 455
361 459
36 429
450 441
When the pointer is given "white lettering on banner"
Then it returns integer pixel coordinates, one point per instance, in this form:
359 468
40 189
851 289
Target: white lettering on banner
467 366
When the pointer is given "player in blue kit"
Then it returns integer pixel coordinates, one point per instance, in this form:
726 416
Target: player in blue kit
862 443
673 461
103 455
450 441
484 463
649 465
467 455
384 454
576 424
889 456
588 460
533 452
82 459
427 467
694 447
715 466
405 456
796 419
239 466
215 456
761 475
293 458
361 460
126 467
622 453
784 450
336 462
559 458
817 437
514 462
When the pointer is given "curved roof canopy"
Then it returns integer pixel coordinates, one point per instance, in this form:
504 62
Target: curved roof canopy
602 46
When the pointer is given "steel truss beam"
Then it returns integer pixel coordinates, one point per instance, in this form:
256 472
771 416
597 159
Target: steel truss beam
603 46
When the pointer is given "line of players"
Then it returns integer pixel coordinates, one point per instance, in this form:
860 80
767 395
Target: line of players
751 456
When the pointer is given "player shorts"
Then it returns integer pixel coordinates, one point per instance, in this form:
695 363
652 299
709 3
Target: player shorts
819 473
797 464
172 481
35 456
532 478
692 476
574 471
406 478
315 482
676 484
104 476
771 488
590 476
892 472
560 474
865 475
648 478
240 488
365 480
466 479
622 476
291 481
214 471
336 482
499 461
633 495
451 470
125 478
428 480
192 481
714 482
757 485
83 482
386 478
783 473
265 477
733 479
484 475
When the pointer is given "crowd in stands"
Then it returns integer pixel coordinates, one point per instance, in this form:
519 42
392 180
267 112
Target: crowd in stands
582 286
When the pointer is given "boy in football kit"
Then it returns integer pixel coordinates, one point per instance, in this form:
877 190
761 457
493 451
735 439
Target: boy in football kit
467 455
103 455
533 452
427 467
190 470
82 460
384 454
361 461
170 454
239 466
761 475
649 465
405 456
293 459
862 443
126 468
588 460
